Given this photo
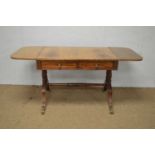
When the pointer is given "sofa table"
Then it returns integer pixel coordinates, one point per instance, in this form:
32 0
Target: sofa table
76 58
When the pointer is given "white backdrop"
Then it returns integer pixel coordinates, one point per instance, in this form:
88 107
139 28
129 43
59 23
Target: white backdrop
130 74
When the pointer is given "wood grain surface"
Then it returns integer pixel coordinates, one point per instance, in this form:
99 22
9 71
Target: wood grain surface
76 53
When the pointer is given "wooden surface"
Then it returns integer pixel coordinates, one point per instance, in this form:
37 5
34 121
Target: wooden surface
76 53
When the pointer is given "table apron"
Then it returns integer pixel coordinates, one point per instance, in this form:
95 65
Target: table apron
76 65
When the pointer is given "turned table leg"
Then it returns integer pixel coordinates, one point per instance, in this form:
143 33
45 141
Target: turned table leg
44 75
45 86
108 87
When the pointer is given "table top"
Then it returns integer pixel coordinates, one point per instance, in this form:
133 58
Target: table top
76 53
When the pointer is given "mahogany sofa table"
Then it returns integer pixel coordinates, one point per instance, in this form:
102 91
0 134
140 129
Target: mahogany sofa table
76 58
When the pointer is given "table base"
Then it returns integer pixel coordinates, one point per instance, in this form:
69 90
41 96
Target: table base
106 87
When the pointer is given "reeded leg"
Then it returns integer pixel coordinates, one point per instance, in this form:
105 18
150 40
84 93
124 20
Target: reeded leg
108 87
45 86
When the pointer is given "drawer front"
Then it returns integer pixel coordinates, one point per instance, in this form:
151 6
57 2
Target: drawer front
111 65
57 65
89 65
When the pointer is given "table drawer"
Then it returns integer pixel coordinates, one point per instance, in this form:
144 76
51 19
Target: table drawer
99 65
56 65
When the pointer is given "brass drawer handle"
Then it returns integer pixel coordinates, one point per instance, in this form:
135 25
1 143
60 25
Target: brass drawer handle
96 66
59 65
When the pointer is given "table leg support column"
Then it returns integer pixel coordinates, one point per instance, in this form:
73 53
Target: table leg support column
46 81
108 87
45 86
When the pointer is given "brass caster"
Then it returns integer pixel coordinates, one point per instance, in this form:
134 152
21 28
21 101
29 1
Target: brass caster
111 110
